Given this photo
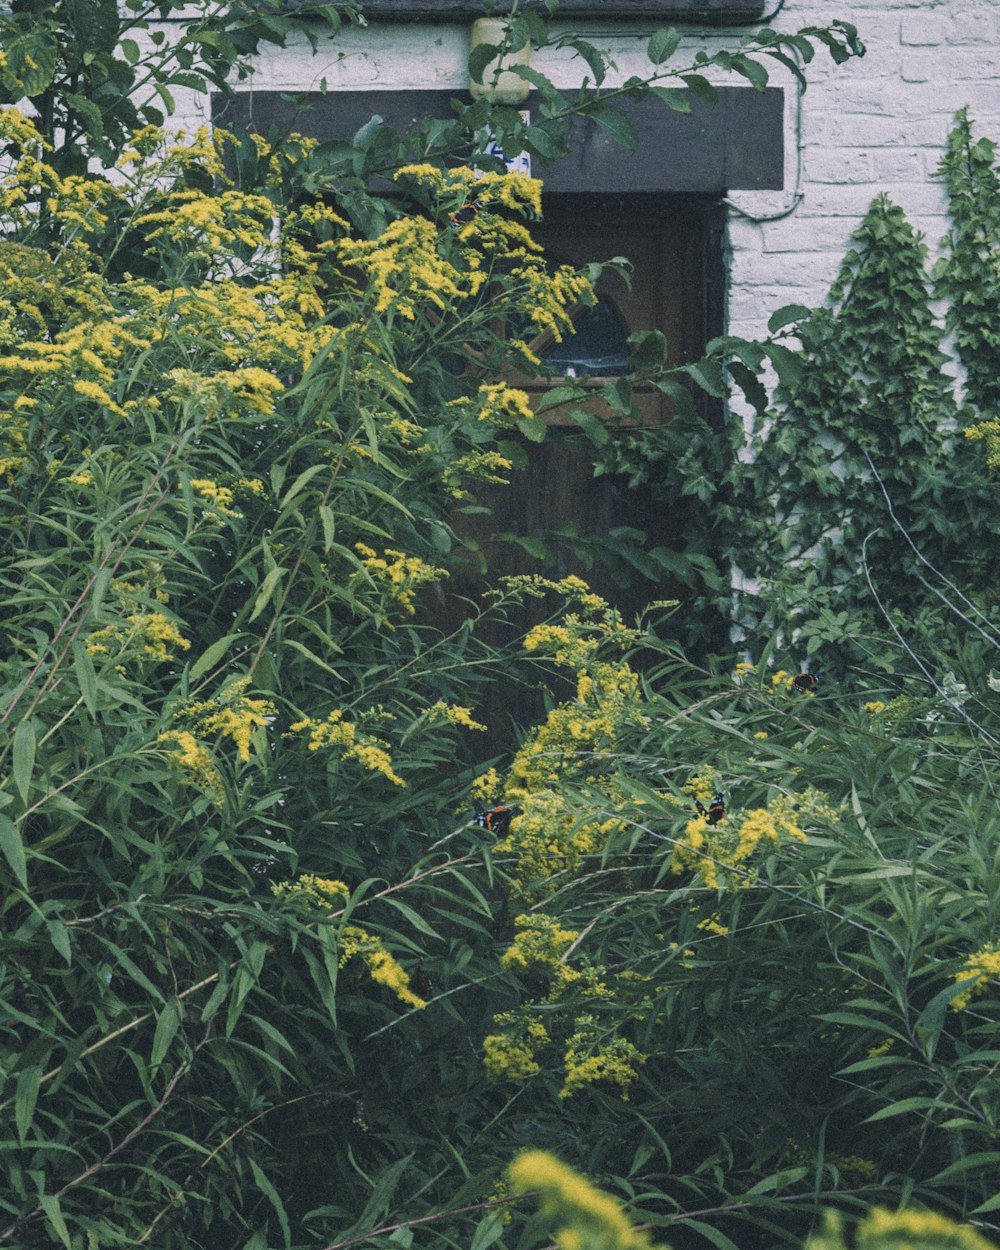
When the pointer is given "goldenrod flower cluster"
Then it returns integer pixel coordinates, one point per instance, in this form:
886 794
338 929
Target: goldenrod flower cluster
398 575
899 1230
590 1058
710 850
442 713
584 1218
511 1055
989 432
145 635
196 763
319 891
541 945
498 403
383 968
231 714
369 752
219 497
983 967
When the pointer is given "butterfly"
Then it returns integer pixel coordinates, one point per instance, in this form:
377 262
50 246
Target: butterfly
465 214
496 820
715 811
805 681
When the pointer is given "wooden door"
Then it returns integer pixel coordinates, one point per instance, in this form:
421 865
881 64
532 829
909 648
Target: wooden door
554 500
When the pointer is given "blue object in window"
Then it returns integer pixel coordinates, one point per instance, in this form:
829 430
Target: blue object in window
597 347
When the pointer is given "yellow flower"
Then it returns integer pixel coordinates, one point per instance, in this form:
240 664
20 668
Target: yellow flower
983 967
369 752
576 1207
231 714
319 891
382 966
196 763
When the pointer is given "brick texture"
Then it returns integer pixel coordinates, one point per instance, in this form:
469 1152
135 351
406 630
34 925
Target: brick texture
875 124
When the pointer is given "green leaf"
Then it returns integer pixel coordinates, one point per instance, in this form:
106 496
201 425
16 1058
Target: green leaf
130 50
167 1024
86 675
617 125
269 587
13 849
212 655
25 1098
700 86
904 1106
663 44
787 364
53 1212
673 98
533 431
709 376
786 315
751 70
23 757
268 1190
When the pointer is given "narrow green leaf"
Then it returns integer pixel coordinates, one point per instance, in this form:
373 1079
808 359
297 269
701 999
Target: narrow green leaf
50 1205
13 849
212 655
329 526
86 676
268 588
24 757
904 1106
25 1098
269 1191
167 1024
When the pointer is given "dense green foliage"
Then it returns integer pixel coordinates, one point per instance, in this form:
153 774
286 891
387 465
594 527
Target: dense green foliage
862 503
263 982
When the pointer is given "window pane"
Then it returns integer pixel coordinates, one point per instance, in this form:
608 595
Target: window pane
596 348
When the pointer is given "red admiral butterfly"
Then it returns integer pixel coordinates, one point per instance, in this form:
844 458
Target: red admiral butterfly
715 811
805 681
465 214
496 820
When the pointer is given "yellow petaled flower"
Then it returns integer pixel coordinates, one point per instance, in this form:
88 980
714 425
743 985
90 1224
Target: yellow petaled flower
195 761
983 967
451 714
588 1060
369 752
231 714
397 575
320 891
585 1218
382 966
152 633
875 708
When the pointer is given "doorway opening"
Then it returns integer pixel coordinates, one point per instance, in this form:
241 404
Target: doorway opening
556 517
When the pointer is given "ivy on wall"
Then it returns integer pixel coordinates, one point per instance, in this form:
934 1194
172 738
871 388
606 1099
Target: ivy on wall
855 489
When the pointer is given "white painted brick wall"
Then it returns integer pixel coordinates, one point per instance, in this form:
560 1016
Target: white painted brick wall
875 124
